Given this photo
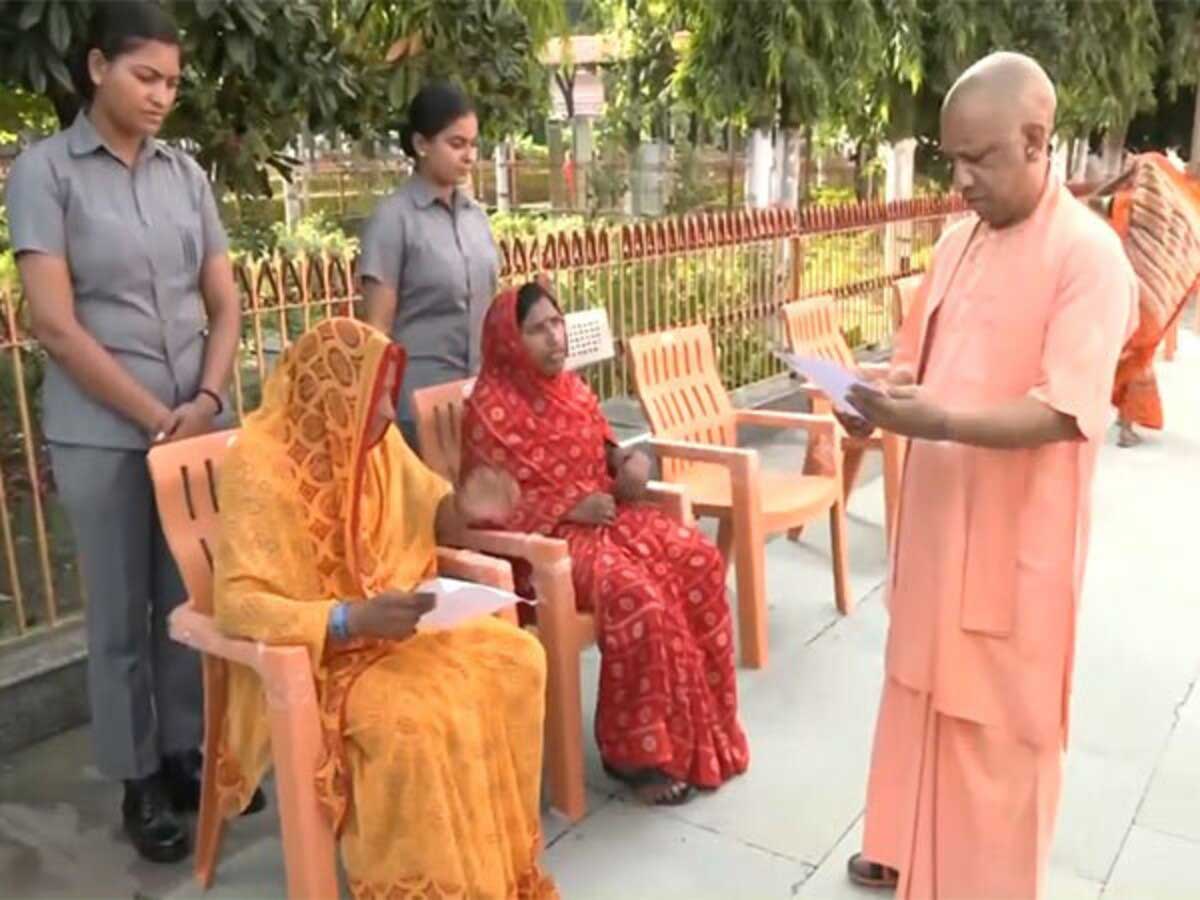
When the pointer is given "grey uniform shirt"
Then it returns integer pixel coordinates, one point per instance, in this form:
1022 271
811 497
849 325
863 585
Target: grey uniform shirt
443 263
134 241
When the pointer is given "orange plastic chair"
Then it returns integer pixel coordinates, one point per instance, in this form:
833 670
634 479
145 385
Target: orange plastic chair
564 631
185 478
695 434
810 328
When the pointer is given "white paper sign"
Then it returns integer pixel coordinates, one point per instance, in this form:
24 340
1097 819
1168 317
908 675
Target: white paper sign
461 601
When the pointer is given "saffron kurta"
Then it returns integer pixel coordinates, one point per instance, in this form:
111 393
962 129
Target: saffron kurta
990 549
432 762
668 690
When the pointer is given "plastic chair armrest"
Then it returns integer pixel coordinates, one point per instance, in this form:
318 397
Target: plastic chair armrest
470 565
674 500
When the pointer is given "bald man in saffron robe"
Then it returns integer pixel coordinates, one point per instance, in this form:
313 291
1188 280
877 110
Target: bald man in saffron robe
1002 380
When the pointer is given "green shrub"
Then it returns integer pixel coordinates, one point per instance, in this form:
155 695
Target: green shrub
313 235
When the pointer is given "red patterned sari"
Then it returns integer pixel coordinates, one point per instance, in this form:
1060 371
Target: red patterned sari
668 692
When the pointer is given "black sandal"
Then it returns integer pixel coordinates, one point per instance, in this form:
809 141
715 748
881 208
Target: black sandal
869 874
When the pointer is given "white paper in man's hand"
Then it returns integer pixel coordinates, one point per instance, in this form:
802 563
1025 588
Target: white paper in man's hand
833 380
461 601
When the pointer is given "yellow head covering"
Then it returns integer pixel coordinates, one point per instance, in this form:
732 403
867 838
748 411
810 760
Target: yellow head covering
312 514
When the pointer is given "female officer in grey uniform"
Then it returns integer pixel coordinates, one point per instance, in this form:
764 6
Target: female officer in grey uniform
124 263
429 266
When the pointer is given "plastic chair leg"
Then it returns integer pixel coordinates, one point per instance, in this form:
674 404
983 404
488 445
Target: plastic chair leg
841 569
564 734
296 744
750 553
725 541
852 459
210 824
558 631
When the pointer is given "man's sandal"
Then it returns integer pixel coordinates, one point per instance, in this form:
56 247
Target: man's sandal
869 874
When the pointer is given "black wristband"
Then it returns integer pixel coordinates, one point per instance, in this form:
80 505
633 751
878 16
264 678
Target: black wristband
215 397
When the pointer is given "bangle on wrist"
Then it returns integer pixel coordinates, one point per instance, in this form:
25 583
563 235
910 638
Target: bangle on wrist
339 622
214 397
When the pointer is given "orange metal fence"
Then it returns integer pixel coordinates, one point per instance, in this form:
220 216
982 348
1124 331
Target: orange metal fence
731 270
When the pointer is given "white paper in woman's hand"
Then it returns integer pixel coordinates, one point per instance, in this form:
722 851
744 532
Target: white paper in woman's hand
461 601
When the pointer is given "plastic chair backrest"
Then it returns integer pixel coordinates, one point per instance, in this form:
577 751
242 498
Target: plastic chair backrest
185 487
812 328
438 411
589 338
680 390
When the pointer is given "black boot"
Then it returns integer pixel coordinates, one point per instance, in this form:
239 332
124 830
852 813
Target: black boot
155 831
183 775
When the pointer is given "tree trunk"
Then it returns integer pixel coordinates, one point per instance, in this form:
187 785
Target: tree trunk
731 153
758 169
500 160
291 205
792 144
1112 153
1194 158
1060 157
1077 170
582 141
648 175
900 157
861 187
558 188
806 167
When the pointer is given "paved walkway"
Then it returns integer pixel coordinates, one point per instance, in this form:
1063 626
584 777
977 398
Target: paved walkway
1130 823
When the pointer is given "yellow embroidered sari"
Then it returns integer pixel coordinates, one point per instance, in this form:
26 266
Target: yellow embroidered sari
433 745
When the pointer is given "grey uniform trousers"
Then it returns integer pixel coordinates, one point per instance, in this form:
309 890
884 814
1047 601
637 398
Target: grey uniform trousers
145 690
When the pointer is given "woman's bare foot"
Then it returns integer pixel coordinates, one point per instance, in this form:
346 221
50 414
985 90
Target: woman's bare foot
652 787
1128 437
667 792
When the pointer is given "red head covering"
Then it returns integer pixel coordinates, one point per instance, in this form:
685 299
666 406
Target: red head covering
546 431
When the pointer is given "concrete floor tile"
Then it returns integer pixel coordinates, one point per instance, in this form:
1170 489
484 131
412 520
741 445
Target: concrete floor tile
810 737
627 851
1155 866
1172 804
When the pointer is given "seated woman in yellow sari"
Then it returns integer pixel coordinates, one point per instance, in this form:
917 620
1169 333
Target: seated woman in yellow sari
433 740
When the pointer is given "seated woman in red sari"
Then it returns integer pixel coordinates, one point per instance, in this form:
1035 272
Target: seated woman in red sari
666 719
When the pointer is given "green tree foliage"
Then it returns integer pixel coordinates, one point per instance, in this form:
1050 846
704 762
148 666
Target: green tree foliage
259 71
